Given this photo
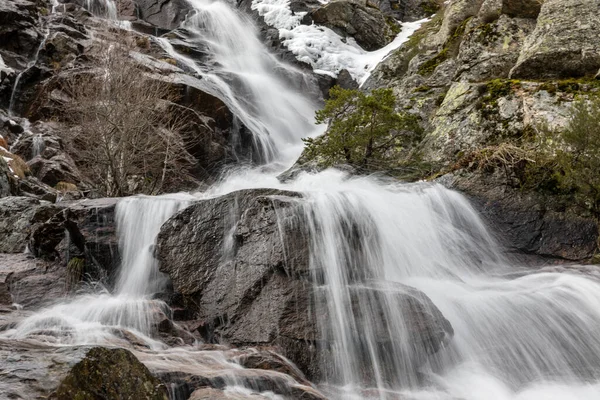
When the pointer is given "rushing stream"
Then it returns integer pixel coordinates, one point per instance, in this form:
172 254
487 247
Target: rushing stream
519 334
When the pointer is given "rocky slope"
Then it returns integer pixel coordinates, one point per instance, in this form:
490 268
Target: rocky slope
482 74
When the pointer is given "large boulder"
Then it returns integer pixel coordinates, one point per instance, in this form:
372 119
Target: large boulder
85 230
358 19
241 261
110 374
165 14
564 43
31 282
529 223
19 33
16 216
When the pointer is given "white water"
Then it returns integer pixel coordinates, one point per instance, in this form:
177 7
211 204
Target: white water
102 318
263 92
534 337
38 145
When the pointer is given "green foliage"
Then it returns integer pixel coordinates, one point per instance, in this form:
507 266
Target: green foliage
430 6
576 152
364 130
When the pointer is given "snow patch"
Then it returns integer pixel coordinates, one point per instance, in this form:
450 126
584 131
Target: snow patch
326 51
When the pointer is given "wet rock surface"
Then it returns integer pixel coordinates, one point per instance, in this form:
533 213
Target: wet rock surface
529 224
95 377
249 280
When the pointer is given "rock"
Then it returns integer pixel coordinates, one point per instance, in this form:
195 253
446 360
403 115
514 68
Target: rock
529 223
127 9
564 42
522 8
19 34
165 14
489 51
31 187
59 168
242 263
345 80
271 361
95 377
455 14
366 24
492 9
216 394
408 10
16 214
36 368
31 282
7 180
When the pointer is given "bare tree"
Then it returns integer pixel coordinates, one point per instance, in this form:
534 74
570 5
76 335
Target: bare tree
128 127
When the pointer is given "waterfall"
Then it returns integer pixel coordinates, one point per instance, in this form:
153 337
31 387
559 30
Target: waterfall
267 95
518 334
101 318
38 145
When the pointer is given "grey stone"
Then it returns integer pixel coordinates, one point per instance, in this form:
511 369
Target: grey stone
564 43
16 214
166 14
242 263
366 24
7 181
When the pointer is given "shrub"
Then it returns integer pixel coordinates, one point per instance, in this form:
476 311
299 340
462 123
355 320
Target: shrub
576 152
128 134
364 130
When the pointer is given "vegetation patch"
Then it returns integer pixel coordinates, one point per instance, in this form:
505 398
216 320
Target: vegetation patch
364 131
75 268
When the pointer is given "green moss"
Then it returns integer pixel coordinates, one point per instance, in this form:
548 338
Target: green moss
494 90
570 85
430 7
75 269
486 33
421 89
395 28
449 50
110 374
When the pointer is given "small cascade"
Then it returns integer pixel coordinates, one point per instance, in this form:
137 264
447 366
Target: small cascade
31 64
102 8
38 145
96 318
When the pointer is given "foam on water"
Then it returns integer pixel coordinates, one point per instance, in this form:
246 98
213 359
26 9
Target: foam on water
530 337
267 95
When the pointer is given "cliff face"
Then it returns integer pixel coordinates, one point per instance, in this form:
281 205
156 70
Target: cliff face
488 73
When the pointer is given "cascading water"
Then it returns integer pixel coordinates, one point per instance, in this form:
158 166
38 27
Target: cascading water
518 334
253 83
101 318
38 145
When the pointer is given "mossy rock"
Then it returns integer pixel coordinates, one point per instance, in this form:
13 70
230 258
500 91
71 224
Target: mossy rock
110 374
